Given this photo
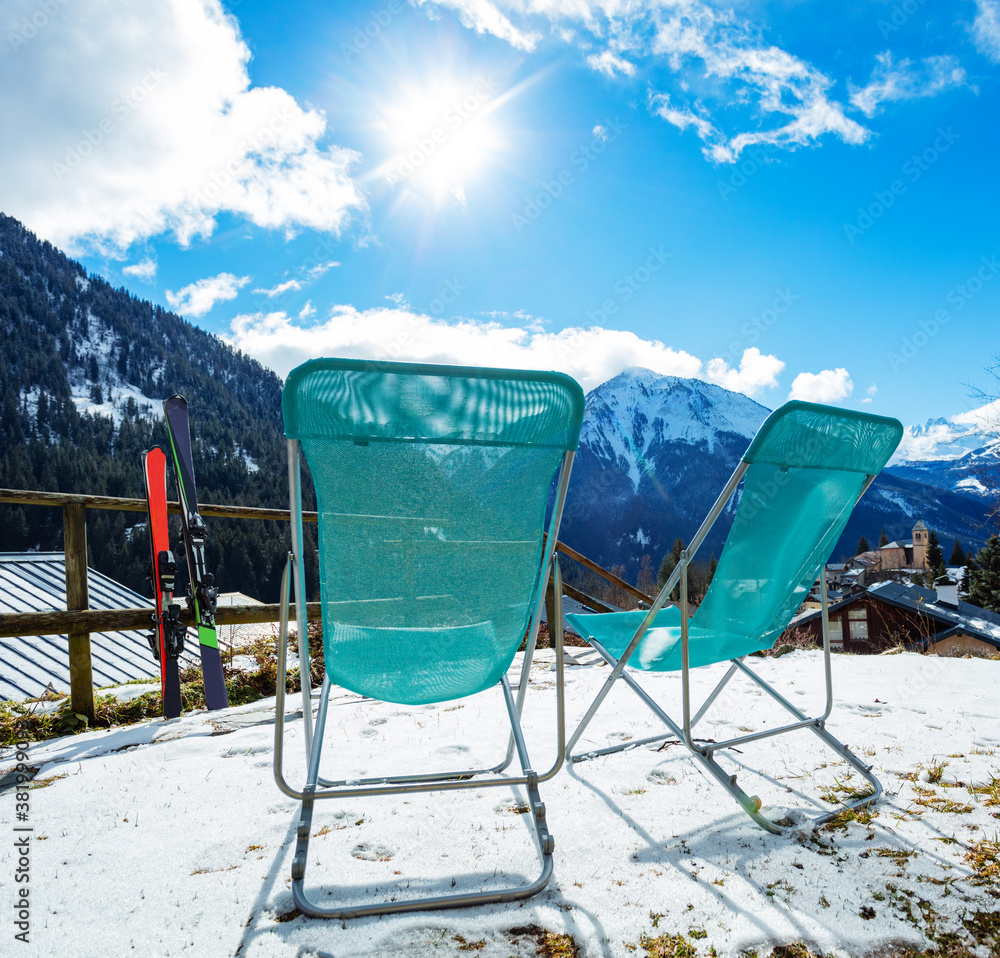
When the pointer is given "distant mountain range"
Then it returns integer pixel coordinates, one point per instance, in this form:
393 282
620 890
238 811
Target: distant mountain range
656 450
84 368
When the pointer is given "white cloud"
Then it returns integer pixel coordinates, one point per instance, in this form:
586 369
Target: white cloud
757 372
483 17
607 63
307 311
659 103
986 29
591 355
198 298
158 130
320 269
280 288
905 81
144 271
985 419
783 99
826 386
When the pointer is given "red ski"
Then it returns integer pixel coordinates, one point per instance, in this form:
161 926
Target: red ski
167 637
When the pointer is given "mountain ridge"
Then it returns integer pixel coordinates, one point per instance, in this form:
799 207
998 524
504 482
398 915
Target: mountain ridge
85 361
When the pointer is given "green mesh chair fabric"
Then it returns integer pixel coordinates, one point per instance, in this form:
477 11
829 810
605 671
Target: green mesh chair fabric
432 484
807 468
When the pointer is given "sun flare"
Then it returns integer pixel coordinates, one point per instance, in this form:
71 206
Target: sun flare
442 135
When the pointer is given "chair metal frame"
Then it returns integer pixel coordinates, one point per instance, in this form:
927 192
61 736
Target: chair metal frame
317 788
704 753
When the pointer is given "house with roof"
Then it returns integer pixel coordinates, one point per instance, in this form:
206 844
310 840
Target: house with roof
33 665
888 614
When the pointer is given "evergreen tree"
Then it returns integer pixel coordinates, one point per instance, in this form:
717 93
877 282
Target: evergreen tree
883 540
712 566
669 563
957 555
935 557
984 587
862 546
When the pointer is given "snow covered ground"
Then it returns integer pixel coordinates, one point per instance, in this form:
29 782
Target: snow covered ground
171 838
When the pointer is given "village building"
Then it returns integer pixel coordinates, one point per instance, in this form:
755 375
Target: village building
890 614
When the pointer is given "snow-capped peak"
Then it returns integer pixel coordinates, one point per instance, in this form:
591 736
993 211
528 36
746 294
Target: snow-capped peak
631 415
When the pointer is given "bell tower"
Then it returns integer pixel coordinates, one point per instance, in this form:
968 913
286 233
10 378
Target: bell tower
920 541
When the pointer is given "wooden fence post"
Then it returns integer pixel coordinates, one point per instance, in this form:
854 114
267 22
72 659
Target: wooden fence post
550 609
81 675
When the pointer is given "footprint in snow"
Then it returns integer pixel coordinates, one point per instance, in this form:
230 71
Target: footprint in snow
660 776
372 853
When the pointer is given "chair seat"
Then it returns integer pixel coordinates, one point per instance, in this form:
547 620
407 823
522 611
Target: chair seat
659 649
417 666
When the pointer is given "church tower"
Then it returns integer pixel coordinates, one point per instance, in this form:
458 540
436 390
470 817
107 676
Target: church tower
920 541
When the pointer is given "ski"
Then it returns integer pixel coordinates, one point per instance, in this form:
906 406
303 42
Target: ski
166 640
202 593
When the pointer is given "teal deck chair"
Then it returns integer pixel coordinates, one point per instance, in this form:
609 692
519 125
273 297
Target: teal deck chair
432 486
802 475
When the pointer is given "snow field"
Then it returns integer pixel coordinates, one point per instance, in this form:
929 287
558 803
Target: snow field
171 838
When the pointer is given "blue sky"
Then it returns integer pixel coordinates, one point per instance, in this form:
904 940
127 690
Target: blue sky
789 199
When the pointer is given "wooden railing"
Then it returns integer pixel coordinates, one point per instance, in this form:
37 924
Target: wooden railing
78 620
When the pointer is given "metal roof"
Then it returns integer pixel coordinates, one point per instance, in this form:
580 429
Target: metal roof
36 582
971 619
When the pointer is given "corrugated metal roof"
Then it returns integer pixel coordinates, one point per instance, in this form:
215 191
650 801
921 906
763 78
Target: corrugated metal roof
36 582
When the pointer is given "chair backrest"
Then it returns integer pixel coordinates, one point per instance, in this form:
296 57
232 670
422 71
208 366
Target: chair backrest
806 469
432 484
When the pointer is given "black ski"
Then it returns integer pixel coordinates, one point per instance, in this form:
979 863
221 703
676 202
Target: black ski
202 593
167 637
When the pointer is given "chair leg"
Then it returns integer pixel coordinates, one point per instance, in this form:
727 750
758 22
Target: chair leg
705 754
543 839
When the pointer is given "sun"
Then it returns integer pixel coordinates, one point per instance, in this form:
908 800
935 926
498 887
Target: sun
442 135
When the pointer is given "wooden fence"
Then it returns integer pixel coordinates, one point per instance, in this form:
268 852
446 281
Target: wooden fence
78 620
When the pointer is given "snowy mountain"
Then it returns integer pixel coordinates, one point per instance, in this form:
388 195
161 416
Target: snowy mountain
656 450
960 454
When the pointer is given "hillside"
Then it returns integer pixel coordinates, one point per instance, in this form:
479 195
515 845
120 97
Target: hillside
83 371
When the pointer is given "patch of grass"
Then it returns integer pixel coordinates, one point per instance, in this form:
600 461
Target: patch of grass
938 803
780 886
549 943
24 720
982 856
844 791
795 950
990 791
984 926
862 816
464 945
668 946
899 855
